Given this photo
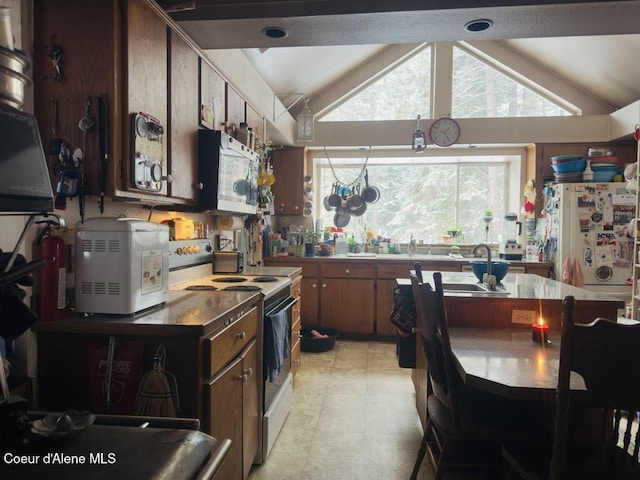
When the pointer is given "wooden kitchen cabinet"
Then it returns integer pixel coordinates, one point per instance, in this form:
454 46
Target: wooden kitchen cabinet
289 168
233 393
232 396
295 292
347 297
256 122
183 120
212 97
542 152
235 107
120 50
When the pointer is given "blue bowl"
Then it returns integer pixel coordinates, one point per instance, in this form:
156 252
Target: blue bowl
604 175
499 269
567 167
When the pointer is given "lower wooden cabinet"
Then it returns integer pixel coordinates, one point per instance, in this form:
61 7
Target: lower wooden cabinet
355 297
296 326
232 397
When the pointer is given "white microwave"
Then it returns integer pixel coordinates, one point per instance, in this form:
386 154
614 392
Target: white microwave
228 172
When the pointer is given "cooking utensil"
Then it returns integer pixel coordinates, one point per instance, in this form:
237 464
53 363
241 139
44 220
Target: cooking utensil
342 217
334 199
86 123
370 194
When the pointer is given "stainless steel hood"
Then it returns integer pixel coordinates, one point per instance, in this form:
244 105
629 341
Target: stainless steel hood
25 185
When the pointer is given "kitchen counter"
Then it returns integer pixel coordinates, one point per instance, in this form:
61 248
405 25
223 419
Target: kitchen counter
185 313
403 257
519 285
539 296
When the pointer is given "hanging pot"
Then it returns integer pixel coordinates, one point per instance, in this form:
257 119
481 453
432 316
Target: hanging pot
342 217
355 203
370 194
326 204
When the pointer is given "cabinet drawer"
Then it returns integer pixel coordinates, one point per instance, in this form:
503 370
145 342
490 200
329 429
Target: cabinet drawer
295 357
296 287
309 269
295 313
348 270
220 349
394 271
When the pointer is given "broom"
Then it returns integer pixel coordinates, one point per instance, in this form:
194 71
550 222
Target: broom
154 397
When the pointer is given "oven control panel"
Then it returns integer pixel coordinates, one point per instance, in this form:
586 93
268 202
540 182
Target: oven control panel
187 253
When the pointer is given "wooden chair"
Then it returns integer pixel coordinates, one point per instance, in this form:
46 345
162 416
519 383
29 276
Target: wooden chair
459 419
605 354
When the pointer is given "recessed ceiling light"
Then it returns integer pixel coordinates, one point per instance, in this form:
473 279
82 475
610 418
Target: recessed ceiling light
479 25
275 32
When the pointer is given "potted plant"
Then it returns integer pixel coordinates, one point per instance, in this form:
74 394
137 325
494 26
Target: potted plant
310 239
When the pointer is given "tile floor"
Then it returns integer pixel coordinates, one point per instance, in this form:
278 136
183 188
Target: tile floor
353 417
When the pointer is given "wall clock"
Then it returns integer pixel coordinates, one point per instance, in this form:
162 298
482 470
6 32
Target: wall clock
444 132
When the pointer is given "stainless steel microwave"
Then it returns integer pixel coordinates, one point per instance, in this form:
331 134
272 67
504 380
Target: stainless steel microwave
228 172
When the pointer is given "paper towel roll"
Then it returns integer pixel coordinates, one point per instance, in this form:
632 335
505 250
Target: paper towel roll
230 222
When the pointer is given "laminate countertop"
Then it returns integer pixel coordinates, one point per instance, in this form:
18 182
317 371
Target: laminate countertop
537 296
185 313
518 285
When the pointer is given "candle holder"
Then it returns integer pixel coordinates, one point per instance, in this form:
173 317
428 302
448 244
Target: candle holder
540 333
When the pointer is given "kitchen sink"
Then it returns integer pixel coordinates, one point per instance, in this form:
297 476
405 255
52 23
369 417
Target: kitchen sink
472 288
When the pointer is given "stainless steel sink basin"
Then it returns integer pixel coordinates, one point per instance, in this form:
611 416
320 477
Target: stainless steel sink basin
472 288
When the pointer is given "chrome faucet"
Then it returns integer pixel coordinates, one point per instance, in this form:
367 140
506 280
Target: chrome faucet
487 279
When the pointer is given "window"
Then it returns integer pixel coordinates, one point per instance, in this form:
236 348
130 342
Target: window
421 196
401 94
481 91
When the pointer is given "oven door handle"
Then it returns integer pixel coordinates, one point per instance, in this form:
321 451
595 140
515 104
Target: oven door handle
286 304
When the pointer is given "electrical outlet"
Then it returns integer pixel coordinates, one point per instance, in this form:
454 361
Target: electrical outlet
523 316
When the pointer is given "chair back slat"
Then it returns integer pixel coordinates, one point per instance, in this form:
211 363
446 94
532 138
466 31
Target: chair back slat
434 332
603 353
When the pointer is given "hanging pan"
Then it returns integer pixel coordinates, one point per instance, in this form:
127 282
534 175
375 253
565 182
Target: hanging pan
370 194
356 204
334 199
342 217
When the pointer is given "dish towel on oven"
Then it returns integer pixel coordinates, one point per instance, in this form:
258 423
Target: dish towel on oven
276 342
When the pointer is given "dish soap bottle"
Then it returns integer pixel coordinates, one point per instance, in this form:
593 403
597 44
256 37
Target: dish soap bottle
587 173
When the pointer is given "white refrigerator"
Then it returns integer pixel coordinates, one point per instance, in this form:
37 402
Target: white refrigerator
589 223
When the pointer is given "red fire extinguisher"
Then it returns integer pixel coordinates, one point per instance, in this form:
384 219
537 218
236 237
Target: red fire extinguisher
52 276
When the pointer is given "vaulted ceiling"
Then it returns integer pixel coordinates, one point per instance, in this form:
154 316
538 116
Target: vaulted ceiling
593 46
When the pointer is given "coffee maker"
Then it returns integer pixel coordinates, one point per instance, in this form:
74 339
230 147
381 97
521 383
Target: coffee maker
509 248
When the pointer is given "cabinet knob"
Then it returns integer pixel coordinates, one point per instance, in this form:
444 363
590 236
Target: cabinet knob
199 186
241 335
346 270
167 178
314 285
248 371
297 360
243 378
324 285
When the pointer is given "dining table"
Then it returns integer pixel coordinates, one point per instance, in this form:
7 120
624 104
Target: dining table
507 362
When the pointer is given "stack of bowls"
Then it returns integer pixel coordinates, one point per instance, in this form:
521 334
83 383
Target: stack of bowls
604 164
568 168
13 64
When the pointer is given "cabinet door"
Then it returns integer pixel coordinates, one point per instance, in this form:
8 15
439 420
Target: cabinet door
183 123
223 397
251 406
235 107
254 121
347 305
145 75
212 98
288 190
309 305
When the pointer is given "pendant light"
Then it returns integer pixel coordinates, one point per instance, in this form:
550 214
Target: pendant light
305 124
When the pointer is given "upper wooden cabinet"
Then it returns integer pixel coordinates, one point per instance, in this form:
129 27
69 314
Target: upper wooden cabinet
184 115
288 189
213 110
133 54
